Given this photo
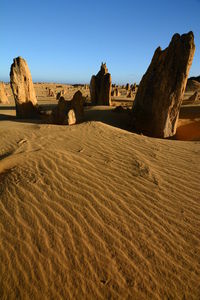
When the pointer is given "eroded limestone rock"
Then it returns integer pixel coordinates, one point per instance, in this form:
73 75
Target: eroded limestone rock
69 112
23 89
160 93
100 87
3 95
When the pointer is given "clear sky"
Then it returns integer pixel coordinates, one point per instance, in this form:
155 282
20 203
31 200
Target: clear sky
66 41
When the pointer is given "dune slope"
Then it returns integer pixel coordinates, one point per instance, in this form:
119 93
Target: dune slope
95 212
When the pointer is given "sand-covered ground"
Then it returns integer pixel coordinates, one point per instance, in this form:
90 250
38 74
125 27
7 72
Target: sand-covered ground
93 211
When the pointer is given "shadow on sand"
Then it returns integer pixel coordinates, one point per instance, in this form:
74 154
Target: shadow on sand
120 119
189 112
189 132
109 116
102 114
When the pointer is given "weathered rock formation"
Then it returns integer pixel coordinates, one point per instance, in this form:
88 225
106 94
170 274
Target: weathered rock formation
100 87
196 78
60 94
160 93
3 95
127 86
133 87
77 105
51 93
192 85
129 94
22 88
194 98
69 112
115 93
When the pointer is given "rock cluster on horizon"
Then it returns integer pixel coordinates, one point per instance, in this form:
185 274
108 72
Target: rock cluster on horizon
3 95
100 87
115 92
23 89
69 112
160 93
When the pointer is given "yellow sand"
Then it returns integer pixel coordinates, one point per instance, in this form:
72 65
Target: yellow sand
92 211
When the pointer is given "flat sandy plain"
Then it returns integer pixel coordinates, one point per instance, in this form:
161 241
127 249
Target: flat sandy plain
93 211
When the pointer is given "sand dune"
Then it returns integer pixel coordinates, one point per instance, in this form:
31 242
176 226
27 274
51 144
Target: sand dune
95 212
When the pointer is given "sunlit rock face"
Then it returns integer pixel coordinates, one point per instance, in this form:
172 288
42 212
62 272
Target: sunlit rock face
160 93
23 89
3 95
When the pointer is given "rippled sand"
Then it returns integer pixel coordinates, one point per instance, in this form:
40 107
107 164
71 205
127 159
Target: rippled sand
95 212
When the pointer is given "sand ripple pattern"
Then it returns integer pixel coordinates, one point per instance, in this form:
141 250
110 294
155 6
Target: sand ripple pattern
95 212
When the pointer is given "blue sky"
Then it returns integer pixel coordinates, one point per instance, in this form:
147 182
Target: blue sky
66 41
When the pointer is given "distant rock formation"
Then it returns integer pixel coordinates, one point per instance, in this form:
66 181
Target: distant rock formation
160 93
100 87
23 90
3 95
115 92
69 112
133 87
129 94
51 93
127 86
60 94
192 85
197 78
194 98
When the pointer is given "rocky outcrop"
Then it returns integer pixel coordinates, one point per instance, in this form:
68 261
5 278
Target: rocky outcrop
3 95
160 93
51 93
77 105
196 78
115 92
194 98
129 94
69 112
60 94
100 87
192 86
23 90
133 87
93 90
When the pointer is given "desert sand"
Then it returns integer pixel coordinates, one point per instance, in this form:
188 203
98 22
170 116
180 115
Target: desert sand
93 211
